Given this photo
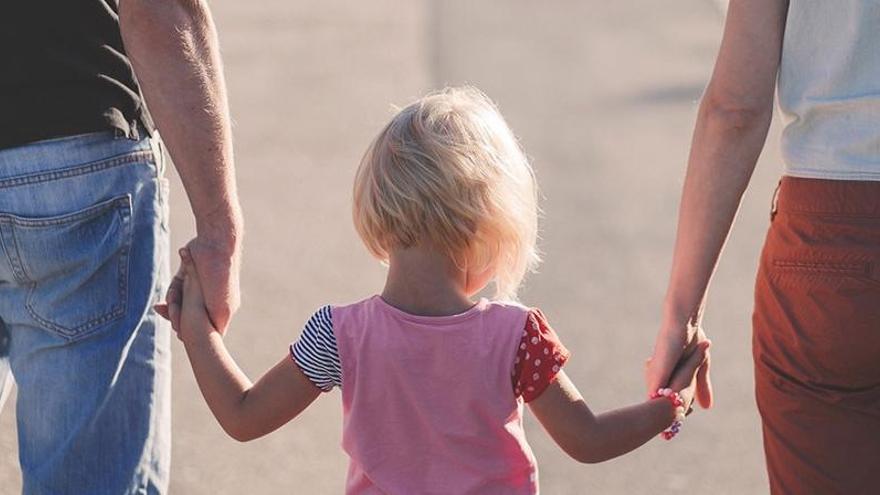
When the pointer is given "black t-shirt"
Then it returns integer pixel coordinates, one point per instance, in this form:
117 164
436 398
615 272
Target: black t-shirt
64 71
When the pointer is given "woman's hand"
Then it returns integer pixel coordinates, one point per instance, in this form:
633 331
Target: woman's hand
685 378
674 345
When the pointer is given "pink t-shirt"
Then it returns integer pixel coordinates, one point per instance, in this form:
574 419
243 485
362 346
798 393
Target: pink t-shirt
428 404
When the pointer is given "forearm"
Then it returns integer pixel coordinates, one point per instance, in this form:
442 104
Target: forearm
725 148
174 50
223 384
730 132
623 430
589 438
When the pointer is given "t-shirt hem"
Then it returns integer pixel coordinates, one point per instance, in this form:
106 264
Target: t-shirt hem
802 173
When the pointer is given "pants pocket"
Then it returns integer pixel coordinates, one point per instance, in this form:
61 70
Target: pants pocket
859 270
816 313
76 265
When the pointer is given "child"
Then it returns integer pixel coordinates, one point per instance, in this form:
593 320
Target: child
433 380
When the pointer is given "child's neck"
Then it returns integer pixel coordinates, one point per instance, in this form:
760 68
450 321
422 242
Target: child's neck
426 283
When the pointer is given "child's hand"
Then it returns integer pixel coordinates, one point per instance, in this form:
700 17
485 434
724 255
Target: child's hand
684 377
194 320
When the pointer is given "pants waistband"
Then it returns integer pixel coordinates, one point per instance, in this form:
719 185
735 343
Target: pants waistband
860 198
74 151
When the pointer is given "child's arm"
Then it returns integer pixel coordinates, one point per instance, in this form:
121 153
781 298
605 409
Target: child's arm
245 411
590 438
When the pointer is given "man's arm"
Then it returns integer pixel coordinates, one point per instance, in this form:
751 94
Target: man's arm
173 48
731 128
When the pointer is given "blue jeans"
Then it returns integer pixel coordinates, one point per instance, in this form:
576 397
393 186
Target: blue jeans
83 257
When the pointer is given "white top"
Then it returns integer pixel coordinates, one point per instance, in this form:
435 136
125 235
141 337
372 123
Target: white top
829 89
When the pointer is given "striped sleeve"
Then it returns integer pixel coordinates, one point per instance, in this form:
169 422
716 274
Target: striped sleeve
316 353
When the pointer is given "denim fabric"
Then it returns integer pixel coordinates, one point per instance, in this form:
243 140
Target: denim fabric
83 256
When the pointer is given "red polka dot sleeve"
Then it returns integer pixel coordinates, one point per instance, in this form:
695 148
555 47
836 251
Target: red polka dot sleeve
539 358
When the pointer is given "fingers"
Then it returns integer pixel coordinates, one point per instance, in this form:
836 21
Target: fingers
219 313
218 281
186 262
661 366
696 360
686 372
704 384
186 284
162 310
174 299
192 288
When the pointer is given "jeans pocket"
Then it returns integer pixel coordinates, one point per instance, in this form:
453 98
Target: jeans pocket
76 265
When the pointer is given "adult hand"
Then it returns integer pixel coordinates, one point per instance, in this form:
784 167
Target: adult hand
217 267
684 378
673 345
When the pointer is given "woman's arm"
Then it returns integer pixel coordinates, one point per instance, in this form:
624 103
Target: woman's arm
731 128
589 438
245 411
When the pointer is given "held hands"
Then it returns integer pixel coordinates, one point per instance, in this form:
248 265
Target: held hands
684 377
218 273
193 319
673 351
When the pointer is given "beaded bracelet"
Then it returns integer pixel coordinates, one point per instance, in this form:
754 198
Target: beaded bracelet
680 412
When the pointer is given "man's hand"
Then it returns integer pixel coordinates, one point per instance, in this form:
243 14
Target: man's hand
217 267
672 346
195 324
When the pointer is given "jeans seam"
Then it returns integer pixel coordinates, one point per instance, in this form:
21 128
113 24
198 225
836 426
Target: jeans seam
127 158
63 219
81 330
18 271
6 249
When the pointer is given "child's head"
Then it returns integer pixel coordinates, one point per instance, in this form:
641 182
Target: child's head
448 174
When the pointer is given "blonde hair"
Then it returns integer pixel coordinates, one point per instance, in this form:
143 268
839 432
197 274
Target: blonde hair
448 172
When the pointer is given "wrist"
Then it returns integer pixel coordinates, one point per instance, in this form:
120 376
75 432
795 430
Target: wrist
678 317
677 407
200 339
222 228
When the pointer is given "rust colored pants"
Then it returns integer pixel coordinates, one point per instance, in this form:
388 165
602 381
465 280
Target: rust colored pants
816 338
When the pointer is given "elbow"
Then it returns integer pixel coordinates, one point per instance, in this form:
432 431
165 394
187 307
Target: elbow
587 456
237 426
242 437
586 451
147 15
239 433
732 114
587 459
194 8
